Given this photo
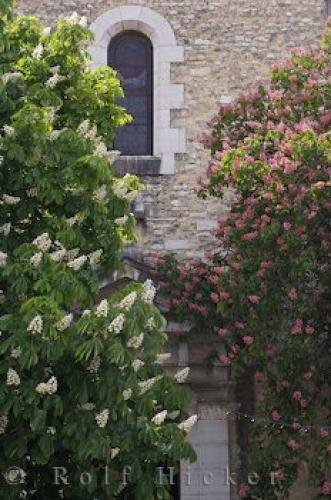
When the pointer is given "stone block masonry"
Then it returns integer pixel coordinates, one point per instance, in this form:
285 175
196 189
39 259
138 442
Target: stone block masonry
223 47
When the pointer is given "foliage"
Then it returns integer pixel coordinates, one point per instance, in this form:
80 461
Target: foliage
265 289
81 385
5 15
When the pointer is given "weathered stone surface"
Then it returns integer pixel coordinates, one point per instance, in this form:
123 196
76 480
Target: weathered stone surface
228 44
138 165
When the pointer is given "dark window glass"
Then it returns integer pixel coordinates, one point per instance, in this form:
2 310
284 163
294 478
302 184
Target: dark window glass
131 54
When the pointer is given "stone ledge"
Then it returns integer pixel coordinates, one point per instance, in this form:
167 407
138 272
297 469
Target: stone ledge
138 165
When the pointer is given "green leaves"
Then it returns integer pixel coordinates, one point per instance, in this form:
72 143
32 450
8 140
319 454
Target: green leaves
38 420
6 12
80 367
116 353
46 449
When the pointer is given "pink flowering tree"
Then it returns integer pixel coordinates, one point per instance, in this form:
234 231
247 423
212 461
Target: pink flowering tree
86 409
265 288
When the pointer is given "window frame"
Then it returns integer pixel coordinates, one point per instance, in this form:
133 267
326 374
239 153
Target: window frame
168 141
150 94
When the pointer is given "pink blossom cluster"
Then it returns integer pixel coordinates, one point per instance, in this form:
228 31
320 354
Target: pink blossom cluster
263 287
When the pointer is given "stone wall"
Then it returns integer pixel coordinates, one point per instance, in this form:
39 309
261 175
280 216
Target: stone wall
228 44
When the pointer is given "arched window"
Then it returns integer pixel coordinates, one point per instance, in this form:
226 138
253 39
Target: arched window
166 141
131 54
328 8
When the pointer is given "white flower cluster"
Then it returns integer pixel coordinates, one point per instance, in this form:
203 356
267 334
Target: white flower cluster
47 31
54 135
114 452
162 358
76 19
16 352
102 418
102 309
131 196
5 229
137 364
3 423
9 131
151 323
36 259
149 292
55 79
3 259
76 264
38 52
51 114
36 325
64 323
182 375
128 301
49 387
58 255
136 342
72 253
75 219
188 424
145 385
121 191
10 200
95 257
94 365
116 326
32 192
121 221
90 132
13 377
101 150
25 221
160 417
112 156
100 194
43 242
127 393
87 131
51 431
88 407
9 77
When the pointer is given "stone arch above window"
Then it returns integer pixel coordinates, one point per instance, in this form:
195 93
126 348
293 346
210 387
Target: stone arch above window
167 141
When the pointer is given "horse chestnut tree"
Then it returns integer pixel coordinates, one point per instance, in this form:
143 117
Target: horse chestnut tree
82 391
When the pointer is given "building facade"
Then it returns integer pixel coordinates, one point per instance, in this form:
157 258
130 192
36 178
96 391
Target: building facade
191 54
204 51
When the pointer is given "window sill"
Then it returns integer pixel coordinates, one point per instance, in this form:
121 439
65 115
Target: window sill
138 165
